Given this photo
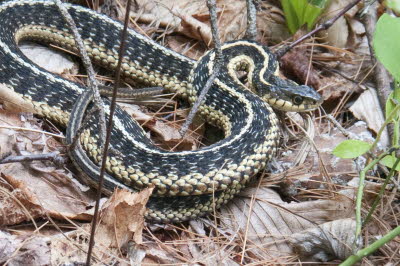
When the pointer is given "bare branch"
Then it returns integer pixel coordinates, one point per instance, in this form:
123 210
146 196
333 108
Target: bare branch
52 156
381 75
109 128
212 7
382 78
87 63
322 26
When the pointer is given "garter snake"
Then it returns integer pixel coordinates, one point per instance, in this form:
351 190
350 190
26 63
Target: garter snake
189 183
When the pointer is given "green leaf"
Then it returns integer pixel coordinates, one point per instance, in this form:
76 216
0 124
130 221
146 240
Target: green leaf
351 148
389 161
386 43
392 101
389 106
310 16
292 11
318 3
301 12
393 4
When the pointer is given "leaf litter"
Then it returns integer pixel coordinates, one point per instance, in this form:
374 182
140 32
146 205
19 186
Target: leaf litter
303 210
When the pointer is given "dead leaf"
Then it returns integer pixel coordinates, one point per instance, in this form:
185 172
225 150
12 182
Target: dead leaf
196 29
39 187
23 250
157 255
136 254
167 134
329 241
56 194
122 218
13 102
17 207
296 64
158 12
271 23
8 244
51 60
121 223
272 221
192 20
308 176
338 34
368 109
206 249
71 248
186 46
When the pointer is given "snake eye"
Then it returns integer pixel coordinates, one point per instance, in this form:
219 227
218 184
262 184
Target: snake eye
297 100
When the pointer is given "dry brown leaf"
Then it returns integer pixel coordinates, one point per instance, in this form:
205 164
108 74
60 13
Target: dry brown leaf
271 23
17 207
64 251
308 176
8 245
71 248
167 134
23 250
54 192
232 21
296 64
136 254
156 255
368 109
335 87
192 19
329 241
13 102
122 218
186 46
41 187
7 136
121 223
338 34
51 60
159 12
189 18
273 221
195 29
358 41
202 248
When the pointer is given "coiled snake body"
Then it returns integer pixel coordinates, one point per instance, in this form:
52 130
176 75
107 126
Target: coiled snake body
187 184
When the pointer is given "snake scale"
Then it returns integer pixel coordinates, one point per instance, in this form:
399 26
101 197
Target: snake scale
187 184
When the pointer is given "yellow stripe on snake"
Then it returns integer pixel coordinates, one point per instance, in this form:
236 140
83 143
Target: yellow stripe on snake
187 184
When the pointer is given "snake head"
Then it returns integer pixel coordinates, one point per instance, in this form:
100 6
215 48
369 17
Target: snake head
286 95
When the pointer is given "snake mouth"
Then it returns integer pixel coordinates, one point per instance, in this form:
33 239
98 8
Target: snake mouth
289 106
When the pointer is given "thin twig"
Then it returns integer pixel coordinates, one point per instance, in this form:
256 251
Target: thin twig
382 190
32 130
382 78
370 249
381 75
251 30
87 64
368 4
212 7
109 128
322 26
52 156
346 133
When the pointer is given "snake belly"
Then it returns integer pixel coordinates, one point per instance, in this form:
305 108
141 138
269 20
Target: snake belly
187 184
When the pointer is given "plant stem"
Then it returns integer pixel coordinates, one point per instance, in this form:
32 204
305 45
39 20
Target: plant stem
371 248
